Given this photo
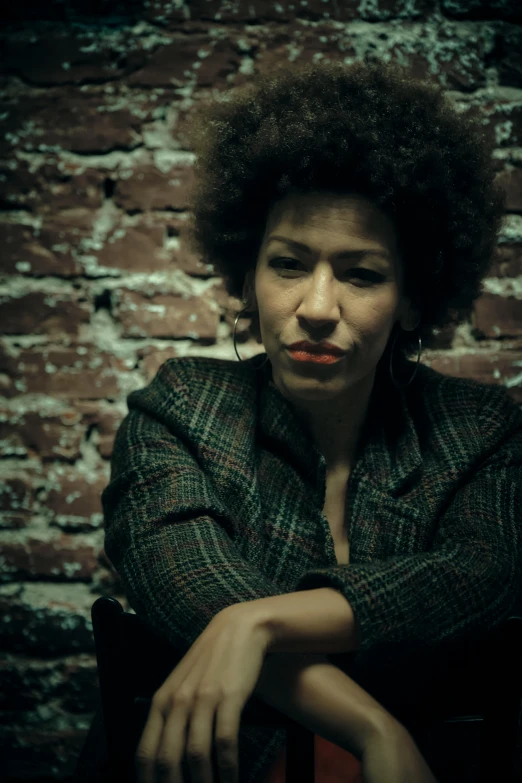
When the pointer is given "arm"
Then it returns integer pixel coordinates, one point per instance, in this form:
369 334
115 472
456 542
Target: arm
314 621
168 531
318 695
469 581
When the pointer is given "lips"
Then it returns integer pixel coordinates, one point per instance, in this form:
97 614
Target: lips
317 348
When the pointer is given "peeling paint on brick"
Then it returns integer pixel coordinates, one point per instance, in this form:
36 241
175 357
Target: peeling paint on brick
92 193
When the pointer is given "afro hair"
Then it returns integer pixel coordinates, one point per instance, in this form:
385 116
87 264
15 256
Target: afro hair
368 127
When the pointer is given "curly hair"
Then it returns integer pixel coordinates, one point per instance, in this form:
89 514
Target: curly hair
369 128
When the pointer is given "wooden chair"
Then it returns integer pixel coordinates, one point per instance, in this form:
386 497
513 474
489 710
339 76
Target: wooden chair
133 662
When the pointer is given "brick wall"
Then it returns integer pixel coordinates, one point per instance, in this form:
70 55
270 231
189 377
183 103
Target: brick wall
98 288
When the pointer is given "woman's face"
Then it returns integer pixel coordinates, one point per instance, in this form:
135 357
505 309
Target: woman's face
315 294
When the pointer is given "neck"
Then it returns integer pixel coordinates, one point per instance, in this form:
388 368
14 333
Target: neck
336 424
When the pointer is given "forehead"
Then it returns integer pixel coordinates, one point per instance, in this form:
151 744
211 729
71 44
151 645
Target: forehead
337 222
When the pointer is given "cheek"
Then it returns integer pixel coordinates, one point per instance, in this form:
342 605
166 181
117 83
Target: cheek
372 315
274 307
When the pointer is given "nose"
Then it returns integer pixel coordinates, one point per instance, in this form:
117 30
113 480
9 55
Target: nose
320 302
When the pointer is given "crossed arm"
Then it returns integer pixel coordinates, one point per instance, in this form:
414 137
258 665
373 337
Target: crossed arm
230 660
308 621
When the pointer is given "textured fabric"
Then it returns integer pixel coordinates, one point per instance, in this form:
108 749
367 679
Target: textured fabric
217 492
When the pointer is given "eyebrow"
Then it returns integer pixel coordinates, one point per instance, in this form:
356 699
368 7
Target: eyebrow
343 254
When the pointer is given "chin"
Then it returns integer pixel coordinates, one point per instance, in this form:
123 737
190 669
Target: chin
314 388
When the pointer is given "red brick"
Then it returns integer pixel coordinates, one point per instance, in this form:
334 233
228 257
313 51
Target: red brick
49 188
174 63
166 65
498 316
15 520
217 12
58 436
454 68
19 185
33 313
502 122
184 258
70 120
140 249
507 261
77 498
511 181
149 188
29 252
75 221
167 14
103 423
77 187
151 359
17 493
63 372
41 434
165 315
41 61
63 556
498 368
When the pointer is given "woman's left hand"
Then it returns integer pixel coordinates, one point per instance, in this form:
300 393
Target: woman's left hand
214 680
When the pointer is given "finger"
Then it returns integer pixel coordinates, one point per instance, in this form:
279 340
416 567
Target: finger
169 753
228 718
145 756
199 739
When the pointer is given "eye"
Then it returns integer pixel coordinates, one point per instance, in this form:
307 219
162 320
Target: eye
364 274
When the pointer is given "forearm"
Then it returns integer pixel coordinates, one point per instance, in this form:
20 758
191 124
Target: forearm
307 621
321 697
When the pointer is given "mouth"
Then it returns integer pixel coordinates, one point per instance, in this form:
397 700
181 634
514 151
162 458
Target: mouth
323 349
314 357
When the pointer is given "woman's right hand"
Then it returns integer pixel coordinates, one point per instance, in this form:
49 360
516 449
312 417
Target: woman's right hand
390 755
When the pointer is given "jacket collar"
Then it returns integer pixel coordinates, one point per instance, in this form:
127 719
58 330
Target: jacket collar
389 451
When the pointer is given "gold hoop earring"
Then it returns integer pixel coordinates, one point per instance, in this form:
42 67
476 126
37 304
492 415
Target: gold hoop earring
235 346
405 385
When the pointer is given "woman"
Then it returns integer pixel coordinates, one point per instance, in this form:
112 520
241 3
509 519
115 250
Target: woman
335 498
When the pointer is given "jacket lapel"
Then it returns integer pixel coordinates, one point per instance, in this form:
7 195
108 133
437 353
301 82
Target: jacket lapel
389 450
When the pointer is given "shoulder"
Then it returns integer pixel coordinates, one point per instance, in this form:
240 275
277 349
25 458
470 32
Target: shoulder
187 382
464 407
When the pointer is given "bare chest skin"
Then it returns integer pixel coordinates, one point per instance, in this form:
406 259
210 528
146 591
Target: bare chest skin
336 513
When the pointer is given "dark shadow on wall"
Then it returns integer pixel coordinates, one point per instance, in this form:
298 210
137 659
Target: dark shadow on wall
92 12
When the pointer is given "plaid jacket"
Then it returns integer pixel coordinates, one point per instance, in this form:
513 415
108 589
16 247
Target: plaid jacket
216 497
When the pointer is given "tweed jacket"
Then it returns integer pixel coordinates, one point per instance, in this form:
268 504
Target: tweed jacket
216 497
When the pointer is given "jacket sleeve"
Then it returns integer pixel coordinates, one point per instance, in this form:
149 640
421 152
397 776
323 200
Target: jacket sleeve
467 583
165 527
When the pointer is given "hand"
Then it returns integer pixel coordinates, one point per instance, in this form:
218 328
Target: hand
214 680
392 756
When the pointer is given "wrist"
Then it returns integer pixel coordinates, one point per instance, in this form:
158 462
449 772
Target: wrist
381 724
254 620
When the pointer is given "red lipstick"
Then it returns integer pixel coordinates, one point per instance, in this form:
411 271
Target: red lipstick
318 353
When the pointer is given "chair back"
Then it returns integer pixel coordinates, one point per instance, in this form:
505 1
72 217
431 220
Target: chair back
501 678
474 702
